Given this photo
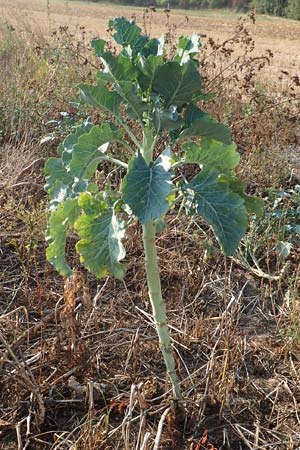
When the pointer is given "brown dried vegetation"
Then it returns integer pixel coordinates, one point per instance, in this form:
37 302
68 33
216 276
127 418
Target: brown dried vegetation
80 366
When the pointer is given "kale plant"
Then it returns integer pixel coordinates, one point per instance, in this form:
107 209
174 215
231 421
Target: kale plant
151 99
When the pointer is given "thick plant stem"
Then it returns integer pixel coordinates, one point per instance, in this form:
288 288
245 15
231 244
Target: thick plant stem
158 304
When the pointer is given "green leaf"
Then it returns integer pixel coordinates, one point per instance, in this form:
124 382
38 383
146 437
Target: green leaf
147 68
153 47
58 181
98 46
101 97
119 68
128 34
177 84
122 73
222 209
100 233
56 172
146 188
199 123
167 119
90 147
136 107
187 48
58 225
66 148
254 205
212 153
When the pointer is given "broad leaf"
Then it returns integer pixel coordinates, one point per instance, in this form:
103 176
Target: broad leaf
122 74
58 225
66 148
147 68
118 67
177 84
136 107
213 153
98 46
146 188
128 34
100 233
101 97
254 205
90 147
199 123
222 209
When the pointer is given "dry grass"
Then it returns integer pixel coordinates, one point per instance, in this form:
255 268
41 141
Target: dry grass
80 365
280 35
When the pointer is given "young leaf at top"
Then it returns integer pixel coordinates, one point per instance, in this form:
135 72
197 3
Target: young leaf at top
128 34
187 48
222 209
123 74
177 84
147 68
146 188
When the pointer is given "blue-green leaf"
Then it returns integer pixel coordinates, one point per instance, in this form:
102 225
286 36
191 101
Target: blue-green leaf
60 221
101 233
223 157
199 123
147 67
167 119
136 107
90 147
146 188
58 181
66 148
222 209
254 205
101 97
129 35
98 46
177 84
118 68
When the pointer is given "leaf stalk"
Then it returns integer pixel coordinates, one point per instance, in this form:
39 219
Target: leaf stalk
159 305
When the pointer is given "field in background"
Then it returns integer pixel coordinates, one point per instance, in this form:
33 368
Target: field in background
80 366
280 35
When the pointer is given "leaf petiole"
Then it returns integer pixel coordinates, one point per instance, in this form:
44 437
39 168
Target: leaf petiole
111 159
